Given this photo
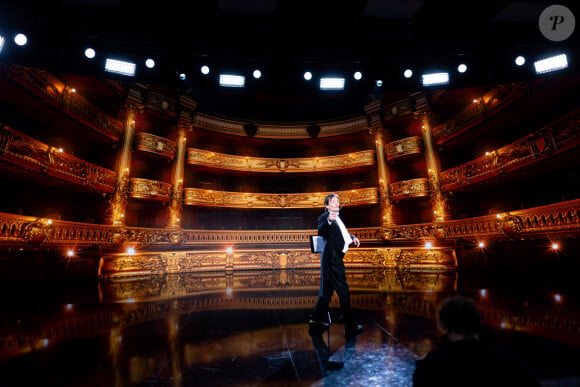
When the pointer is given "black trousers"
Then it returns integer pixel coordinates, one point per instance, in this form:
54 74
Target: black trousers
333 279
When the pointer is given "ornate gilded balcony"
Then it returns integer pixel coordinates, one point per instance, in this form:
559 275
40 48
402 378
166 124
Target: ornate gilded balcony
536 147
25 152
59 95
149 189
498 98
404 147
236 128
410 188
150 143
258 164
211 198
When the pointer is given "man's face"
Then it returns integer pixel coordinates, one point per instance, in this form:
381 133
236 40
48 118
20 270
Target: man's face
333 205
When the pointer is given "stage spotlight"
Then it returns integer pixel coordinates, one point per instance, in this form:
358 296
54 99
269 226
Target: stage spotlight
205 70
357 75
308 75
331 83
462 68
435 79
520 60
379 83
551 64
90 53
21 39
120 67
408 73
230 80
257 74
2 40
182 76
150 63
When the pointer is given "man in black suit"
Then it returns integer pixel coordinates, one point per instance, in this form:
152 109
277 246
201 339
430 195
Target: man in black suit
333 276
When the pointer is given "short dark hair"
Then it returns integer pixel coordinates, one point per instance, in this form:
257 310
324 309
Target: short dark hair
460 315
328 198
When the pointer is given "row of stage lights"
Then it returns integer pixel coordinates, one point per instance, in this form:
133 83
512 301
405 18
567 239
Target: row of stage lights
129 69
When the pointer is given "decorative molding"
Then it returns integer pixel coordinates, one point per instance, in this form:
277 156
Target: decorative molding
404 147
258 164
211 198
410 188
146 142
401 108
149 189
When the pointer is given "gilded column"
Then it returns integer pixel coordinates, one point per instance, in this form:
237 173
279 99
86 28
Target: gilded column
133 106
376 128
433 171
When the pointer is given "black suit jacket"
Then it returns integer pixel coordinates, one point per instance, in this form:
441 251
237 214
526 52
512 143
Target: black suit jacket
330 232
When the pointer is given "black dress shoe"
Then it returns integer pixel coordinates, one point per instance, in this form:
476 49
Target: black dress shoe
353 331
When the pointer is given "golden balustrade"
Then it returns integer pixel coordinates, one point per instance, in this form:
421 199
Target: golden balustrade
149 189
21 150
500 97
212 198
150 143
56 94
404 147
260 164
410 188
533 148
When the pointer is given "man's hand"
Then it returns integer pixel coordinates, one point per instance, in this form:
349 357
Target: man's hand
356 241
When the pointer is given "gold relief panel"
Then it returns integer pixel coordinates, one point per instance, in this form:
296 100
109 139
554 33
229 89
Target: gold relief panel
211 198
257 164
410 189
404 147
149 189
146 142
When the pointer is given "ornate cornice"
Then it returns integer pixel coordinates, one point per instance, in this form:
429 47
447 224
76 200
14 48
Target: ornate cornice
410 188
32 155
541 144
404 147
160 103
258 164
211 198
149 189
150 143
401 108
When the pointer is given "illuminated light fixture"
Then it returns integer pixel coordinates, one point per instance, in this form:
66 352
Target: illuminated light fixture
428 245
229 250
520 60
2 41
182 76
120 67
481 245
483 292
204 70
462 68
331 83
131 251
557 297
357 75
257 74
69 307
90 53
379 82
21 39
230 80
70 253
308 75
555 246
551 64
229 291
150 63
408 73
435 79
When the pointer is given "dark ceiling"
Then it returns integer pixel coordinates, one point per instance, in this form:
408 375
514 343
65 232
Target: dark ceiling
283 38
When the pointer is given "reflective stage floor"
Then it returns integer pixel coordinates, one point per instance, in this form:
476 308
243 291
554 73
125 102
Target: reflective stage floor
250 328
